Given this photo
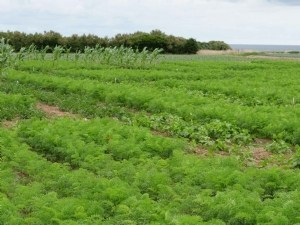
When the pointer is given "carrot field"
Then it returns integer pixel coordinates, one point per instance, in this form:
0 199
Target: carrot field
210 140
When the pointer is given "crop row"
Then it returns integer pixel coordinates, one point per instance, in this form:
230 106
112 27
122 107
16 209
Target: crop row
91 184
16 105
105 137
258 120
36 191
213 134
263 86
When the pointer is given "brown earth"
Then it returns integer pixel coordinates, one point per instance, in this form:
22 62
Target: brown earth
54 111
214 52
262 141
260 154
10 123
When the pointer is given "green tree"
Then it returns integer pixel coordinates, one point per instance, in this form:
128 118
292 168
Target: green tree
190 46
218 45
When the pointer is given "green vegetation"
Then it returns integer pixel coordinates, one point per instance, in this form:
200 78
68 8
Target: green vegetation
121 56
214 45
12 106
5 55
179 140
138 40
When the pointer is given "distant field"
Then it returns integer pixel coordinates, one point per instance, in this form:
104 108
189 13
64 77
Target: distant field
199 139
211 56
232 56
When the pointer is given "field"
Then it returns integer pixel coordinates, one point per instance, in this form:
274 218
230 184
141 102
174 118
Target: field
209 140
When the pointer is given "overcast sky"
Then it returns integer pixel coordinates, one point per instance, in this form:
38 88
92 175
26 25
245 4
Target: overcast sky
234 21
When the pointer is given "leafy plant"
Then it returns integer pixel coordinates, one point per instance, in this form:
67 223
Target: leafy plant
44 51
6 54
57 53
278 147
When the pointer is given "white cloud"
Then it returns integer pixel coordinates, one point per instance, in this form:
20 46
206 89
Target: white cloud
234 21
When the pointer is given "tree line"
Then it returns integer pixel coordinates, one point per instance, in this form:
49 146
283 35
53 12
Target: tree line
154 39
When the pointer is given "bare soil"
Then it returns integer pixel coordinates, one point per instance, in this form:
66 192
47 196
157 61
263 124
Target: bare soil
201 151
214 52
10 123
54 111
262 141
260 154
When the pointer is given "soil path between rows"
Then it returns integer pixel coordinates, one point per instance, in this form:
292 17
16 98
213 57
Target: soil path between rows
53 111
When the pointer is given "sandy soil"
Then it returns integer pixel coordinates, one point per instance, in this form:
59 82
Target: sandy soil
10 123
225 52
53 111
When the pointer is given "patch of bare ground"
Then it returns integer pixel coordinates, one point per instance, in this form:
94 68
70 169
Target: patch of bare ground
201 151
224 52
260 154
54 111
255 155
262 141
8 124
263 158
217 52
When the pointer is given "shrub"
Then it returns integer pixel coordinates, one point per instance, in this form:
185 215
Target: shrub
190 46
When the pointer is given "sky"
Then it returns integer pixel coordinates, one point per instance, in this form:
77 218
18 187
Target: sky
232 21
